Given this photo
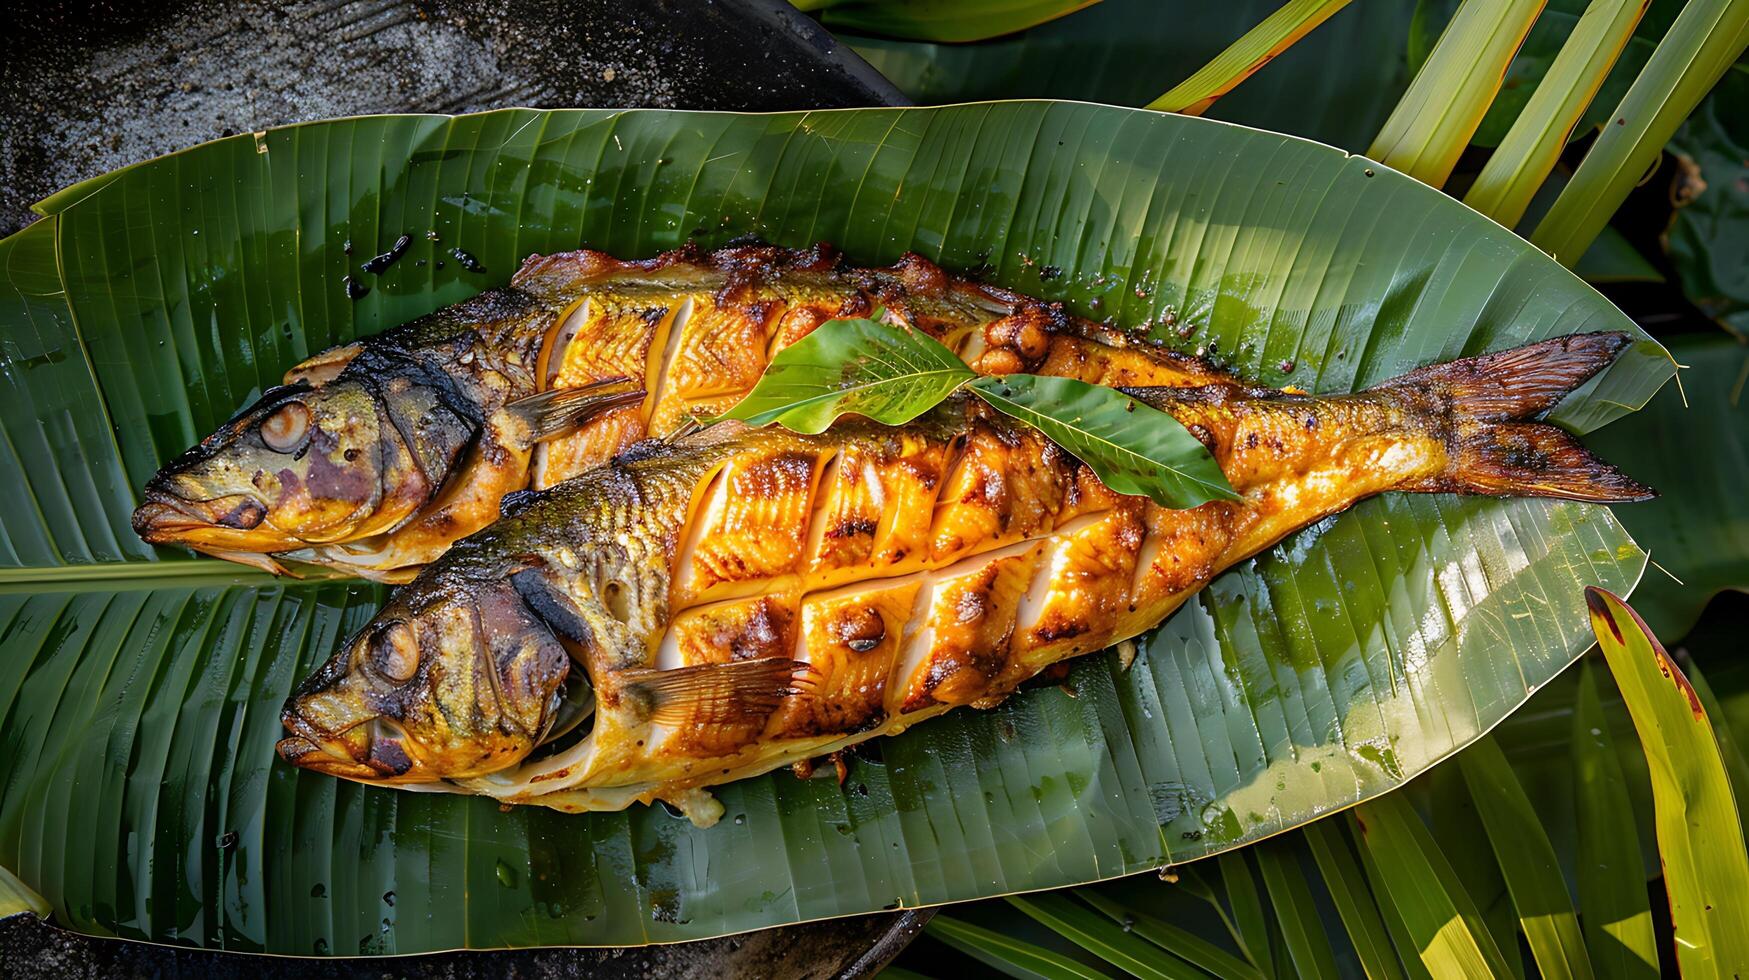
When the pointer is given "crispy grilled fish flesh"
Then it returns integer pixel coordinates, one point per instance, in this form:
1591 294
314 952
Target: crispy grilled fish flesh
376 456
741 599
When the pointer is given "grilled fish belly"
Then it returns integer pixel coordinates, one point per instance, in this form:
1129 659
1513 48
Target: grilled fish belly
743 599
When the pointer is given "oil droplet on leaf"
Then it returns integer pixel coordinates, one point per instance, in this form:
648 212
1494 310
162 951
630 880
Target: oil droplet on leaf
466 260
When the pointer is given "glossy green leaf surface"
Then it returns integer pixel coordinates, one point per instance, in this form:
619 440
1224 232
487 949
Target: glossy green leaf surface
888 373
139 691
1131 447
1700 837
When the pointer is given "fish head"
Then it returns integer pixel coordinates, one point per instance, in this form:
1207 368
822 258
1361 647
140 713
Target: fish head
306 466
449 680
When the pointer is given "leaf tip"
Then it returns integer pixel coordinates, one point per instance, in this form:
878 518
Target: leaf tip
1597 600
1606 607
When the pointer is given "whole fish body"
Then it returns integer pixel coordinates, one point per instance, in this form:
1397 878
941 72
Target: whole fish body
742 599
374 457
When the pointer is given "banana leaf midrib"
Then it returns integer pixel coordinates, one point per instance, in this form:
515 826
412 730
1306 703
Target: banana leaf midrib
109 575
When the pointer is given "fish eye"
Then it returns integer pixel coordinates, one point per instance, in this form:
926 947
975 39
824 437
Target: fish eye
394 652
285 429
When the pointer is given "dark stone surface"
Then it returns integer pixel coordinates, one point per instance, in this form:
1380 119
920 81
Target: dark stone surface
92 85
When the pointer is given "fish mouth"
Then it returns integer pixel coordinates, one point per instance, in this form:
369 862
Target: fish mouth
374 751
232 523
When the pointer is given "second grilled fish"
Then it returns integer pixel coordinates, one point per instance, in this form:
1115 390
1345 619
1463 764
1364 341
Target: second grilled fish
376 456
743 599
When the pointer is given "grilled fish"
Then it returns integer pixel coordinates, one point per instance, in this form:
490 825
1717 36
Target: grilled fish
741 599
376 456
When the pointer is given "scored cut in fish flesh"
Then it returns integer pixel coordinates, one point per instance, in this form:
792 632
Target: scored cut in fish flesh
741 599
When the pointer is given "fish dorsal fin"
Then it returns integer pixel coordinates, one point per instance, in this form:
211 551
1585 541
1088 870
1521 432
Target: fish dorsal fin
708 694
556 412
550 604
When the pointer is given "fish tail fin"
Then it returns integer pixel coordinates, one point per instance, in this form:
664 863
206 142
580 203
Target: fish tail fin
1520 383
1532 459
1495 448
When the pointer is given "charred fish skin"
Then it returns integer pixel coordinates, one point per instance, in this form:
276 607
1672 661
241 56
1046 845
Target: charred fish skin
374 457
744 599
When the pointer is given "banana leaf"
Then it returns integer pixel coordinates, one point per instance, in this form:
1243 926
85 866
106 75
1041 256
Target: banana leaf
139 691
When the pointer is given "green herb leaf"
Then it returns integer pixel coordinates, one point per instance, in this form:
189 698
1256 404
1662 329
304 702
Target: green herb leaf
891 374
1131 447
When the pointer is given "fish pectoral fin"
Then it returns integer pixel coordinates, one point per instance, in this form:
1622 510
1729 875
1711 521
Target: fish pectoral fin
256 559
550 604
554 413
704 694
319 369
